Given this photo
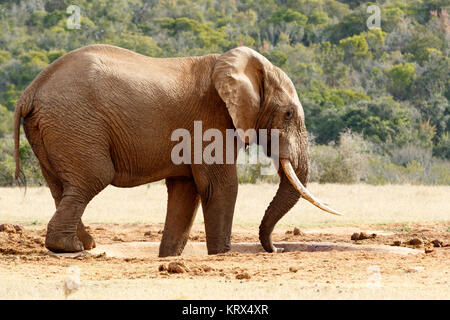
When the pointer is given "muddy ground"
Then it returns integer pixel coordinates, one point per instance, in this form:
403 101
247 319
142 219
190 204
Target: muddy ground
331 274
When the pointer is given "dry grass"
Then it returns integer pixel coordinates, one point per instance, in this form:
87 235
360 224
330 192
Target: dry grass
361 204
198 289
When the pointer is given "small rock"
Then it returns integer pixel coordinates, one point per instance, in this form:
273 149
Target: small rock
177 267
148 234
195 238
288 232
116 238
243 275
297 232
436 243
181 263
206 268
429 250
160 231
415 242
293 269
162 267
397 243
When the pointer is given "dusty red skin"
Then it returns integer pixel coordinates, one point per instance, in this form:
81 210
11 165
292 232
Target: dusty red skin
103 115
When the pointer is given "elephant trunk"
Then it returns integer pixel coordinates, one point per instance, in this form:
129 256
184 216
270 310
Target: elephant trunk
288 194
285 198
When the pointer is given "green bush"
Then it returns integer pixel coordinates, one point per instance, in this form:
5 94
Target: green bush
382 171
354 160
344 163
440 173
401 77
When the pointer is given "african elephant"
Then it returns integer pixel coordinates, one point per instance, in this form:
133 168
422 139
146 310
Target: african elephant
102 115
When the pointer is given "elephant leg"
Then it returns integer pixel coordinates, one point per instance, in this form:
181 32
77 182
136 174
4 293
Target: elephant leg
54 241
65 231
183 201
56 189
62 228
218 201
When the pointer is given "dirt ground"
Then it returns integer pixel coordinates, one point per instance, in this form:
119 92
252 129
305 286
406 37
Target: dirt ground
396 214
27 270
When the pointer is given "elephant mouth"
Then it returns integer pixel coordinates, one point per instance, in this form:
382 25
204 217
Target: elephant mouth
293 179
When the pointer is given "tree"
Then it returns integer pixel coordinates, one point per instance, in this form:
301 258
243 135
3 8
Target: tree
420 45
355 49
401 77
379 120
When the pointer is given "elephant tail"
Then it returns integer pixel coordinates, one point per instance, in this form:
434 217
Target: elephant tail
23 107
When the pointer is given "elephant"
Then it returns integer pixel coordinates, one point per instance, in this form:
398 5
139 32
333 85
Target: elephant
102 115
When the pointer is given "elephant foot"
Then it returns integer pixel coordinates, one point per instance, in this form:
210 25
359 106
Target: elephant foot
59 242
217 248
217 251
84 236
169 248
218 245
169 251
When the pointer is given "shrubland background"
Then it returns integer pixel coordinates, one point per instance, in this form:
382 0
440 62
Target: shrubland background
376 100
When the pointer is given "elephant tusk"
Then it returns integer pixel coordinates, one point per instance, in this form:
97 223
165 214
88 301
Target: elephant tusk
290 173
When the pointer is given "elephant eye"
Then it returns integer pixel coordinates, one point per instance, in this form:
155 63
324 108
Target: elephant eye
288 115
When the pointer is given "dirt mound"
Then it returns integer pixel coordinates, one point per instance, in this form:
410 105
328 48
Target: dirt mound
362 236
243 275
9 228
176 267
15 239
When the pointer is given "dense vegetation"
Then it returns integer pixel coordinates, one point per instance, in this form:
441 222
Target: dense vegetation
387 89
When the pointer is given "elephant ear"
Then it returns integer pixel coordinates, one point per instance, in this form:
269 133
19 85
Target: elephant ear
238 78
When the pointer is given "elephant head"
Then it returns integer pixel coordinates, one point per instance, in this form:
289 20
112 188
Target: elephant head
259 95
